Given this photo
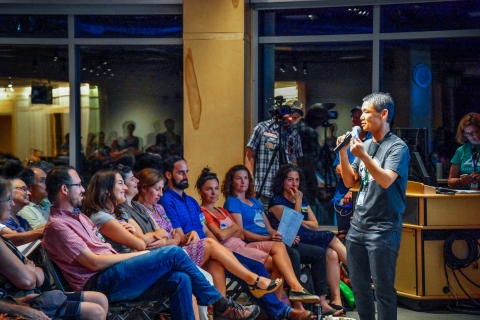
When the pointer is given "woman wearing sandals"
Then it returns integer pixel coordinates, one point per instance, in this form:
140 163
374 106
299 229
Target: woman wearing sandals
247 212
270 253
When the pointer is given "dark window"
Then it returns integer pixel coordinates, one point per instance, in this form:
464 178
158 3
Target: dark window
454 15
29 26
317 21
155 26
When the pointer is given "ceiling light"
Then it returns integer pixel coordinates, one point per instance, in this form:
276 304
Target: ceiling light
294 68
304 68
282 68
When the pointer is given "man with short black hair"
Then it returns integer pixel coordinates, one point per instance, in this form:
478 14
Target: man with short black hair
373 241
71 240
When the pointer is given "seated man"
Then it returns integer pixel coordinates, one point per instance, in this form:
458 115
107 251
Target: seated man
34 213
71 241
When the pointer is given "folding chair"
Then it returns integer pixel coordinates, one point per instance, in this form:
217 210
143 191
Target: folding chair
122 310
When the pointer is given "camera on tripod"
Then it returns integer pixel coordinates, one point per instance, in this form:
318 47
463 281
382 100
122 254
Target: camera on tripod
278 110
332 114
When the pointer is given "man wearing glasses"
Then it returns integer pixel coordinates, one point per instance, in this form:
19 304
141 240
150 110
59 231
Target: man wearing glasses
34 213
262 144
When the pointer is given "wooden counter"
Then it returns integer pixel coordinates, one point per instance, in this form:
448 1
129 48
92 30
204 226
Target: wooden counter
428 220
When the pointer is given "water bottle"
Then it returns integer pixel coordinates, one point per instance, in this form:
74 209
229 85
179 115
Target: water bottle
318 311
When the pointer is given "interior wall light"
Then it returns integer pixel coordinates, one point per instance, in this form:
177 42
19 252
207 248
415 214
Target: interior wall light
304 68
294 67
282 68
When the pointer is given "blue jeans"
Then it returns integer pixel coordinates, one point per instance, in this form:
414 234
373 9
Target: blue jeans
165 272
373 255
269 302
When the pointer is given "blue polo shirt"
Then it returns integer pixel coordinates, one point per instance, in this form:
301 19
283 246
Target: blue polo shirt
183 212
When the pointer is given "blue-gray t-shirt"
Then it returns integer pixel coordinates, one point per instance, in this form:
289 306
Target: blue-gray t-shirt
382 208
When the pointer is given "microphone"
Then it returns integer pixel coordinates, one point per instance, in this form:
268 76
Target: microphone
353 134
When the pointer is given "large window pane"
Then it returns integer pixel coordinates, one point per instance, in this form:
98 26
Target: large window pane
157 26
34 103
337 75
435 83
33 26
454 15
130 84
316 21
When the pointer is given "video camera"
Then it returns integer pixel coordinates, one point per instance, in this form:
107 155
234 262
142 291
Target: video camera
278 110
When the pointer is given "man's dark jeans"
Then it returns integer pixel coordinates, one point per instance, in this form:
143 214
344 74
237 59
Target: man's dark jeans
373 255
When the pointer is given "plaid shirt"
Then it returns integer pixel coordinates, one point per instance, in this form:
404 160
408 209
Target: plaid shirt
263 140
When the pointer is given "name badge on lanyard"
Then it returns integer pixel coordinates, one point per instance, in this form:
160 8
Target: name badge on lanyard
474 185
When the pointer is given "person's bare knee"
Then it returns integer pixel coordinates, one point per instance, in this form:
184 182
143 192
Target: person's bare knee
92 311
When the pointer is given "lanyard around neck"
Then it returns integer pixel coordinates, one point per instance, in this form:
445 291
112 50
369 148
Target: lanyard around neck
474 157
365 181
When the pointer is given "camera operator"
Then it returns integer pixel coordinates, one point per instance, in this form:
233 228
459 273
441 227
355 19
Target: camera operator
264 141
316 115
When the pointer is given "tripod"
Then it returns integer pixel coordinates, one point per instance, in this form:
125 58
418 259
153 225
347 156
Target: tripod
278 149
327 164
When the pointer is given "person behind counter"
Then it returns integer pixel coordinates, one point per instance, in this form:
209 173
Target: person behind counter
464 171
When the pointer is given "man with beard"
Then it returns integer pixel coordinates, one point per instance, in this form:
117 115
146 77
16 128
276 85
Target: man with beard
188 221
71 240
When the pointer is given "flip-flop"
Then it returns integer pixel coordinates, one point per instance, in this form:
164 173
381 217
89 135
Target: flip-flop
331 313
337 307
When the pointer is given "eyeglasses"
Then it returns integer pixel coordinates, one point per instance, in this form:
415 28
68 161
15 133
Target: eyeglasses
73 184
9 199
470 134
24 189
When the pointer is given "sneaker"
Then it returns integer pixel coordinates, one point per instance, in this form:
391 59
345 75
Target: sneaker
236 311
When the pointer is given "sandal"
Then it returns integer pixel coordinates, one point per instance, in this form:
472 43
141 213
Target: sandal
303 296
332 312
258 293
337 307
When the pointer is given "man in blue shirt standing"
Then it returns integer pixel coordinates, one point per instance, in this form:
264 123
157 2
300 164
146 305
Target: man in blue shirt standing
342 200
188 220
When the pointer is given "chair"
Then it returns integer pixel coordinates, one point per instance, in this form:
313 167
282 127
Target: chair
122 310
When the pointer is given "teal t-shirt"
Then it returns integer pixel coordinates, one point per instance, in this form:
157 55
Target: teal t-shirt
463 158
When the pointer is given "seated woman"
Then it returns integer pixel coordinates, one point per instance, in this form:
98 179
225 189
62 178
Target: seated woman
464 169
107 190
16 228
17 274
238 189
272 254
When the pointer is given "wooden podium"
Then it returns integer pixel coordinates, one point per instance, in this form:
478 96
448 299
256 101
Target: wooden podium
428 220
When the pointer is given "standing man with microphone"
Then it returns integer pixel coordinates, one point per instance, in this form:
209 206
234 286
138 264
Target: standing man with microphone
373 241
